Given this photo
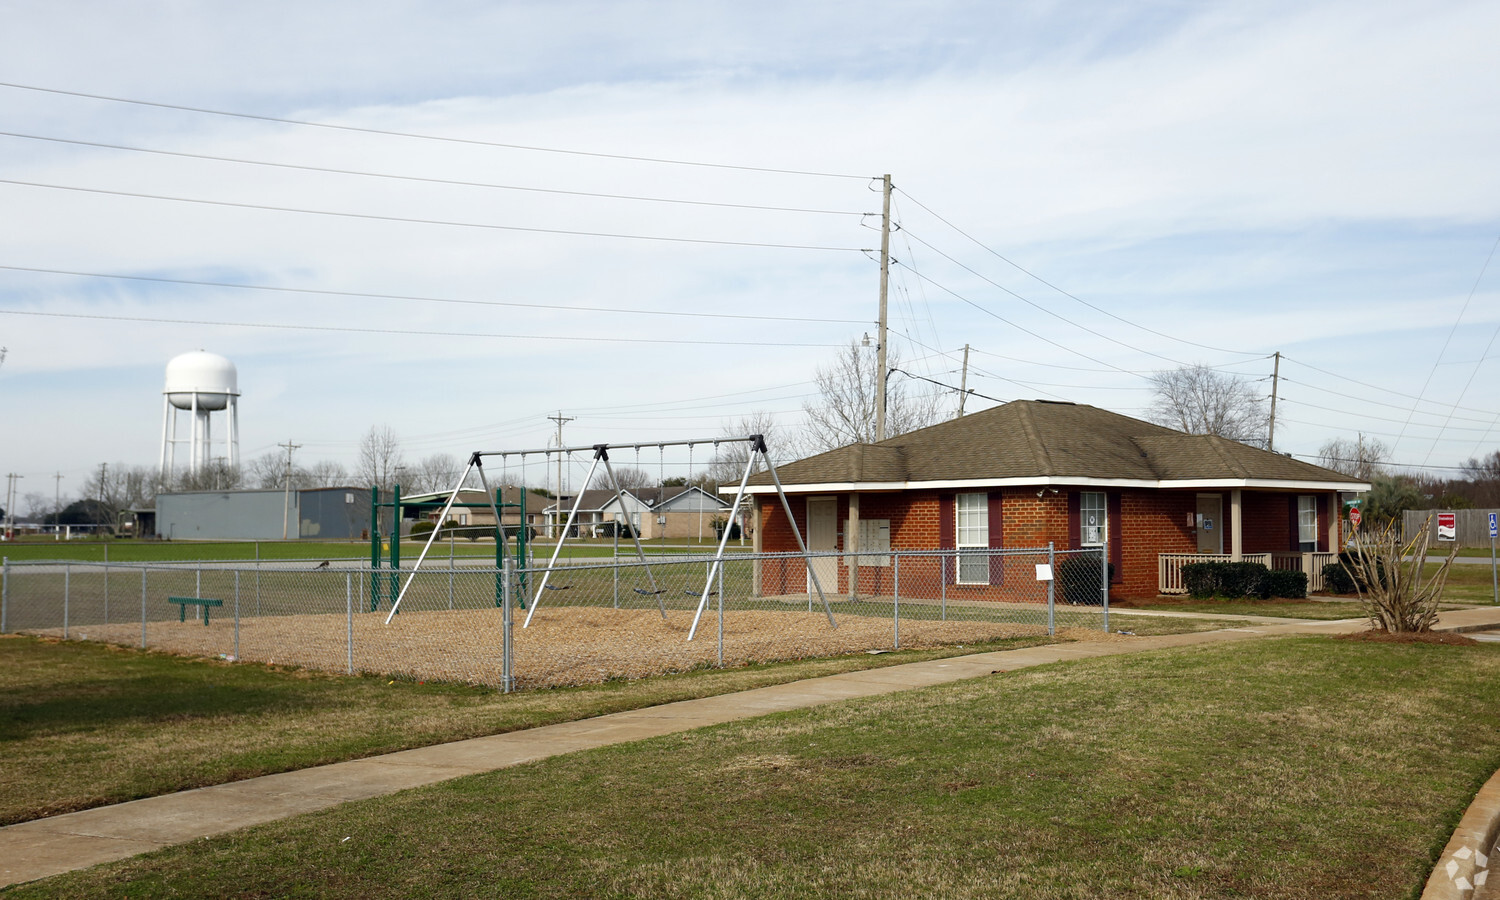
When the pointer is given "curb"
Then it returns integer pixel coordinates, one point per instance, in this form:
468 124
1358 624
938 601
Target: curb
1464 867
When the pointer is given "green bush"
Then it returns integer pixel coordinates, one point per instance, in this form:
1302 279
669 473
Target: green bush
1289 583
422 528
1078 579
1337 580
1227 579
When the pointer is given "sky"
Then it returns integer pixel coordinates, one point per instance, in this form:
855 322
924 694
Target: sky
457 219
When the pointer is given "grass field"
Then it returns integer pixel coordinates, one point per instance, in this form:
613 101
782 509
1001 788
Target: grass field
1287 609
1278 768
94 550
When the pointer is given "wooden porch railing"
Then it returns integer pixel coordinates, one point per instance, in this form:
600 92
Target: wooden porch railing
1169 566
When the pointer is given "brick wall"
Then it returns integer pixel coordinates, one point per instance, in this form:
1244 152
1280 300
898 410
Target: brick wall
1150 522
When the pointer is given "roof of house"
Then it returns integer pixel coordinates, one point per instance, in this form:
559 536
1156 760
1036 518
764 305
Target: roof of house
1044 442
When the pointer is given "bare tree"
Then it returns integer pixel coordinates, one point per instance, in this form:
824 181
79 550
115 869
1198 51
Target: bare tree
118 487
437 472
217 475
379 457
1200 400
729 458
1362 458
845 410
631 479
326 473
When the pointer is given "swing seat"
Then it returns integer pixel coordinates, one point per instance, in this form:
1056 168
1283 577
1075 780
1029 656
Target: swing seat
645 593
693 593
559 587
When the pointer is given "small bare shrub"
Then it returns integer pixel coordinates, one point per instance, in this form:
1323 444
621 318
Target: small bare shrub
1388 578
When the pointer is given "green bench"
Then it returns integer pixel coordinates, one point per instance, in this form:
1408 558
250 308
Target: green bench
184 602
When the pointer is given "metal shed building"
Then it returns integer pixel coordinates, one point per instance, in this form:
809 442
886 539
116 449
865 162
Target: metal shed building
325 514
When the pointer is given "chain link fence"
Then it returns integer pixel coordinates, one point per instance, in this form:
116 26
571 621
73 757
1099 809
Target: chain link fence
581 622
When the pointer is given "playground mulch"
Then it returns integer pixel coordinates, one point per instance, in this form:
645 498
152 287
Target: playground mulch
563 646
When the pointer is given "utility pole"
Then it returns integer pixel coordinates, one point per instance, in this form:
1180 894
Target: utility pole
103 476
286 494
885 280
57 506
10 504
557 500
1275 382
963 384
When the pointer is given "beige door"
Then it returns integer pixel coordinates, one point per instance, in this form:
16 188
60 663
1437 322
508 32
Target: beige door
822 536
1210 523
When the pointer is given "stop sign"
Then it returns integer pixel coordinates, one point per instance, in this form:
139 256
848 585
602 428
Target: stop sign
1354 516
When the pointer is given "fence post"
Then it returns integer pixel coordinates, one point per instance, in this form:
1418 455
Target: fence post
4 595
257 579
1051 593
896 576
236 615
615 564
1104 576
198 586
896 631
349 615
143 607
721 617
507 679
106 584
943 585
67 591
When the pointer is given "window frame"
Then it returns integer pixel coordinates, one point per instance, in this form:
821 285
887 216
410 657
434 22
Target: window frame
1307 522
977 531
1084 507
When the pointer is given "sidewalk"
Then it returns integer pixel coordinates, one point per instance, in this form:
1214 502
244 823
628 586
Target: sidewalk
50 846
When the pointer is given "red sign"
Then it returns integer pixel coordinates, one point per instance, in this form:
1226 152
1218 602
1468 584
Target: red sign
1447 526
1354 516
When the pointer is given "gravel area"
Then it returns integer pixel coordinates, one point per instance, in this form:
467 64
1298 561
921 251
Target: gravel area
563 646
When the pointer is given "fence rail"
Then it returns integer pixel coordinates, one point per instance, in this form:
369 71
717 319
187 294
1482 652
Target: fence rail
1472 526
1169 566
595 620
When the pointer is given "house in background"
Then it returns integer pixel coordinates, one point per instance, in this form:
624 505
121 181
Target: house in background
682 513
479 514
1032 472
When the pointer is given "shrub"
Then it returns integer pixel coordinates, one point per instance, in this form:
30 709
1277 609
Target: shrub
1289 583
1078 578
423 528
1337 580
1388 574
1228 579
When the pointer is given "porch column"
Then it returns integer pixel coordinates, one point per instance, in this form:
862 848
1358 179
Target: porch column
1335 516
1236 538
851 545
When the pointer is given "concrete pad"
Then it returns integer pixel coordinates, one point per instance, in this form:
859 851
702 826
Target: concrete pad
39 853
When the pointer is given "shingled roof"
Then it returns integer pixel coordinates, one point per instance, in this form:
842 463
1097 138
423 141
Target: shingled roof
1042 441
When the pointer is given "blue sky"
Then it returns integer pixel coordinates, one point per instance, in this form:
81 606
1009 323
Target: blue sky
1315 178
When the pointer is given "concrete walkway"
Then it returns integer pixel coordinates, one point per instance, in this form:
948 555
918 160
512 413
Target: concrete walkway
50 846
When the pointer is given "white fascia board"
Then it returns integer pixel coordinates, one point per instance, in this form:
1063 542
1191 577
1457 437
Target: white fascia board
976 483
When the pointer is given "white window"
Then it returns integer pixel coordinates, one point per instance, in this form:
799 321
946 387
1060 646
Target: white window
1092 518
973 531
1307 523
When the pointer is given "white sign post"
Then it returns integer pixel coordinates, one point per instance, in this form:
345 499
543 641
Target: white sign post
1494 576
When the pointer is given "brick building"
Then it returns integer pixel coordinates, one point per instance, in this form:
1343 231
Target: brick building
1032 472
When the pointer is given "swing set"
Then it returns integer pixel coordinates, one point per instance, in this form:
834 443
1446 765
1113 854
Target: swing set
757 446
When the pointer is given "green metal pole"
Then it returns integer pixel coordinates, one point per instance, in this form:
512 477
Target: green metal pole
374 548
395 575
523 536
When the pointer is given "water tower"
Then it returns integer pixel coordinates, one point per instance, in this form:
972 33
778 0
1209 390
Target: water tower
201 383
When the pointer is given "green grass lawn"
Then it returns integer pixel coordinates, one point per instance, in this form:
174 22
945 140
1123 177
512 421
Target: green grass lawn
1278 768
1287 609
84 724
1466 584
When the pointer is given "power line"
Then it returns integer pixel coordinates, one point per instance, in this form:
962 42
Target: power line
413 221
1071 296
1056 315
426 137
408 332
427 180
1383 390
1366 462
424 299
1371 402
970 391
